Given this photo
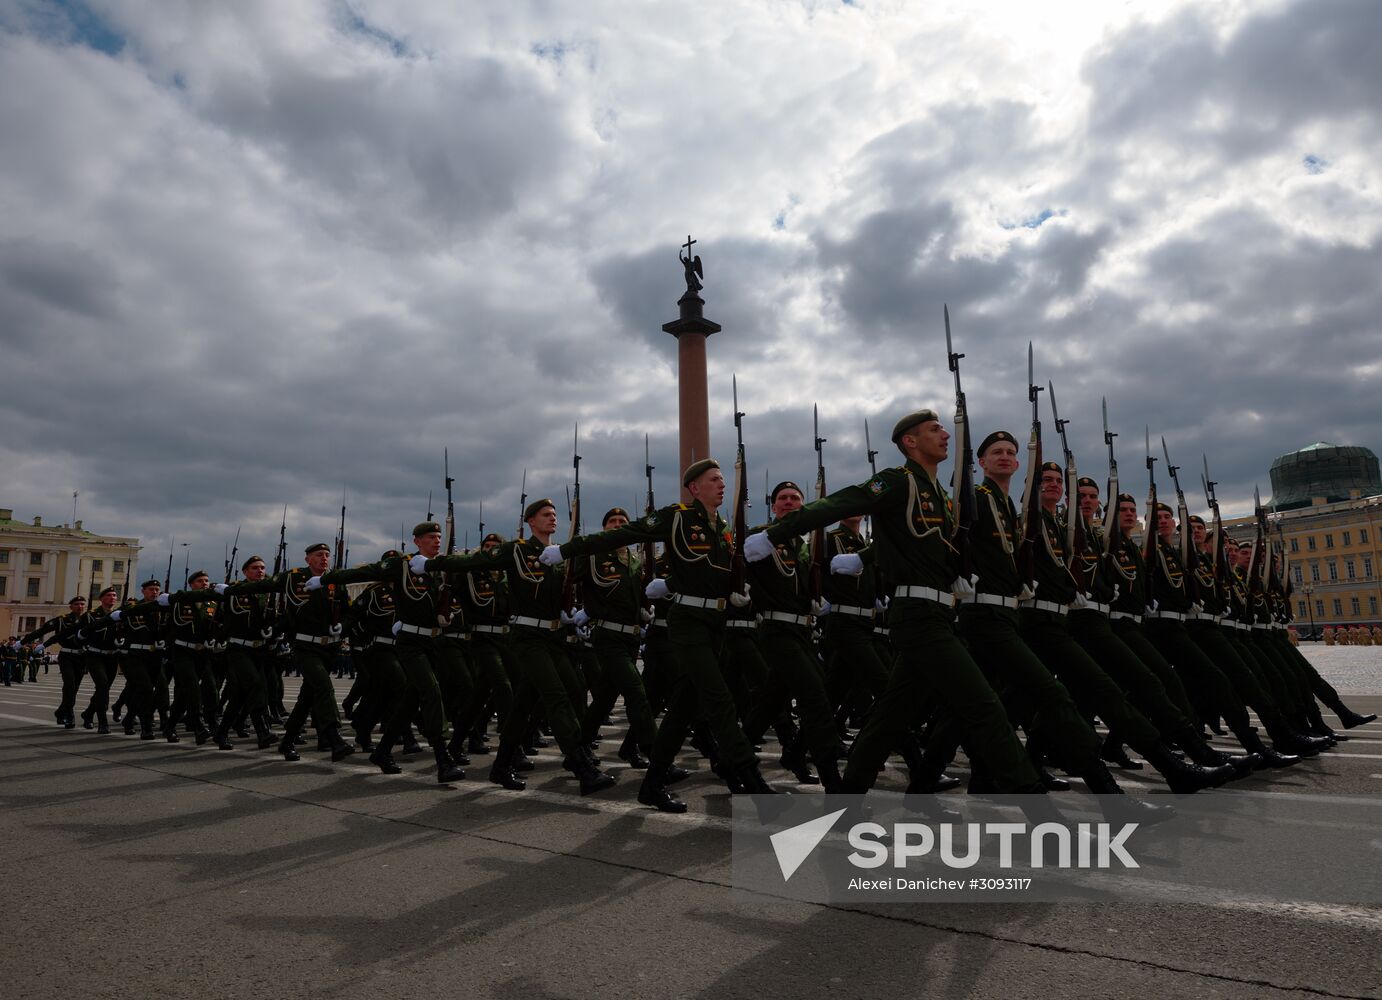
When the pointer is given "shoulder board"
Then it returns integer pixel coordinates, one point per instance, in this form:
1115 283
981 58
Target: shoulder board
981 488
683 506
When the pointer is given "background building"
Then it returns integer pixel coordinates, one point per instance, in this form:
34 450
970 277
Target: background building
43 567
1328 504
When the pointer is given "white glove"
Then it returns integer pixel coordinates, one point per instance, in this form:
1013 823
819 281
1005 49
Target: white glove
1197 607
81 636
266 632
162 599
1026 593
418 564
645 615
550 555
821 608
397 627
657 589
758 547
566 619
1152 606
121 642
1114 599
963 587
115 615
220 588
880 604
848 564
315 583
1080 603
160 644
335 630
581 618
740 599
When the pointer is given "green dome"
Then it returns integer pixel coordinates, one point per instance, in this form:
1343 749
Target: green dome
1324 470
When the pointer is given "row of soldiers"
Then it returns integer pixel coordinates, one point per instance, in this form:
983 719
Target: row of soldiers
926 660
1352 635
21 660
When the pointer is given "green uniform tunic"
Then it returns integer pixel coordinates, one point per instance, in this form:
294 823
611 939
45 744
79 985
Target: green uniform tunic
370 623
855 675
70 664
483 601
912 525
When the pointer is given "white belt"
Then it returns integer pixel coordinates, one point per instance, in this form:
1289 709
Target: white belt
1201 616
717 603
925 594
996 600
1117 615
140 645
431 633
551 624
383 640
1244 626
616 627
177 642
317 640
783 616
490 629
248 643
1174 616
1051 606
850 609
1094 606
880 630
741 623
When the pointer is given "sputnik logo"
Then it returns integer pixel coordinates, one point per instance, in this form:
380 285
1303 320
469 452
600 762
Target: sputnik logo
793 845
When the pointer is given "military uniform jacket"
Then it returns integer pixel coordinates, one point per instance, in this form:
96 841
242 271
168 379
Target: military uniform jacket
779 583
421 600
912 524
699 547
1168 579
481 597
1054 581
841 588
371 615
1211 590
1096 569
535 590
93 637
55 627
612 585
994 541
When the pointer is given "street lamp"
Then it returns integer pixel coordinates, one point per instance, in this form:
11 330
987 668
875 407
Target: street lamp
1310 608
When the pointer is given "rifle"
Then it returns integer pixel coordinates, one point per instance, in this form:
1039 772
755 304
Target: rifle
1074 520
1189 555
1149 543
815 575
271 611
338 562
482 522
429 496
1216 556
522 504
168 576
869 450
962 477
1031 490
1259 567
568 584
129 570
1113 530
450 506
230 559
649 552
738 569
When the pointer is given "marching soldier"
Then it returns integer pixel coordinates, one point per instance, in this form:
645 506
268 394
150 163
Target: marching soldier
70 664
483 602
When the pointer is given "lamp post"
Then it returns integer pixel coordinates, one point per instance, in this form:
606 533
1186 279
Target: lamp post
1310 608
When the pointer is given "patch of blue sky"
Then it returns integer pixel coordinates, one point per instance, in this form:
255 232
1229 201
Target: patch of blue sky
85 27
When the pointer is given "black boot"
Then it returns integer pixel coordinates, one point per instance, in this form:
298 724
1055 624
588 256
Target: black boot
1352 719
129 723
501 774
1119 807
203 735
103 724
585 767
654 793
1113 752
519 762
1183 777
263 737
829 767
794 759
363 741
447 771
1270 758
383 759
222 738
286 747
1206 756
456 748
673 774
340 749
750 781
86 720
477 745
635 760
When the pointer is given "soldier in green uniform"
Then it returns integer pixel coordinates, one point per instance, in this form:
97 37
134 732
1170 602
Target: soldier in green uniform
698 547
612 586
547 676
382 685
855 674
784 605
913 524
142 637
98 657
9 659
481 596
70 664
310 600
245 631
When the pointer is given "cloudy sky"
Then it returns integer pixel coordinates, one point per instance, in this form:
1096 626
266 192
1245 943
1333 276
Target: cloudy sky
259 253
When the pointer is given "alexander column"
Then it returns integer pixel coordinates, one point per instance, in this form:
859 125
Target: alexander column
691 329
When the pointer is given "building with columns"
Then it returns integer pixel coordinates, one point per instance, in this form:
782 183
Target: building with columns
42 567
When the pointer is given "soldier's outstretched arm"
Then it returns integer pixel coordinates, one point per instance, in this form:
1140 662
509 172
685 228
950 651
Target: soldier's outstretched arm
461 563
881 492
656 527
